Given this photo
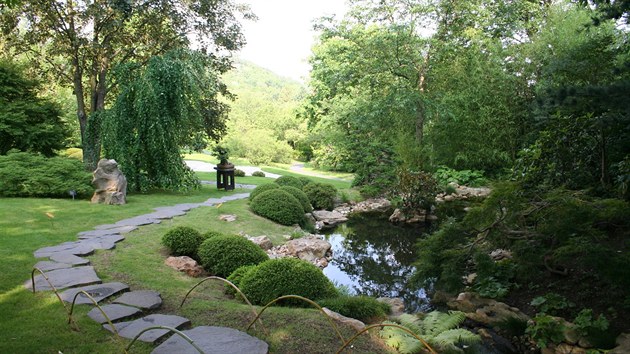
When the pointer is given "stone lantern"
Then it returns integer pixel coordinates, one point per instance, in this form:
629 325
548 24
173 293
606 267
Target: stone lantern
225 169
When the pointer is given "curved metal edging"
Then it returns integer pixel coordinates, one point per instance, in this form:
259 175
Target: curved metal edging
70 319
170 329
431 350
332 323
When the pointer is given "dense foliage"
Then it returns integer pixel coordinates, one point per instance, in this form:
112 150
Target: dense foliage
262 188
289 181
300 196
236 277
278 205
363 308
24 174
221 255
286 276
183 241
321 195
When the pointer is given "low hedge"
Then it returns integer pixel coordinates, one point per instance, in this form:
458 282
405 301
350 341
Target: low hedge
278 205
258 174
321 195
262 188
289 181
221 255
363 308
183 241
300 196
236 277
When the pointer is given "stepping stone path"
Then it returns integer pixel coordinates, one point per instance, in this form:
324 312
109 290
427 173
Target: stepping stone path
66 268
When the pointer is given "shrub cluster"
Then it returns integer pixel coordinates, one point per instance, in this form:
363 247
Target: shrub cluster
286 276
289 181
300 196
262 188
183 241
223 254
236 277
278 205
363 308
258 174
24 174
321 195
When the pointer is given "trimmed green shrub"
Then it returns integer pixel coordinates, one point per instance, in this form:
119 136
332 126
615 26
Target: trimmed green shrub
286 276
24 174
212 233
236 277
262 188
221 255
183 241
321 195
289 181
300 196
305 181
363 308
278 205
239 173
258 174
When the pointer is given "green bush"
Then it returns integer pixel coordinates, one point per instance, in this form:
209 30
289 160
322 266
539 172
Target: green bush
258 174
300 196
289 181
221 255
239 173
212 233
305 181
363 308
278 205
445 175
321 195
286 276
236 277
183 241
262 188
545 330
24 174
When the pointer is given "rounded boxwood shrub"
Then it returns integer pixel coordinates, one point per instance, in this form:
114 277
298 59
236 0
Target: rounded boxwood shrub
300 196
212 233
262 188
239 173
321 195
363 308
305 181
236 277
289 181
278 205
223 254
183 241
258 174
286 276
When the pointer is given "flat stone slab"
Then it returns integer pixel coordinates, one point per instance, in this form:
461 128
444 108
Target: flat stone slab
46 266
106 232
115 313
166 214
77 248
65 278
213 340
144 299
131 329
105 239
69 259
98 292
138 221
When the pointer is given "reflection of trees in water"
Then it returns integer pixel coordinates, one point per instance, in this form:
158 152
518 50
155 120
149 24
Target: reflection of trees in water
377 256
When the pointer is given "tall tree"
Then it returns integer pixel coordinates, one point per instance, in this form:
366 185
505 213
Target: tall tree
94 36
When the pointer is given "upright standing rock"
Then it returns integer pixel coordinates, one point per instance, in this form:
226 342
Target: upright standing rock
110 183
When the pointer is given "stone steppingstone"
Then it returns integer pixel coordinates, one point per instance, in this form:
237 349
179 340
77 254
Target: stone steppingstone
65 278
228 198
138 221
106 232
114 238
213 340
76 248
69 259
46 266
115 313
180 207
165 214
99 292
131 329
144 299
100 244
212 201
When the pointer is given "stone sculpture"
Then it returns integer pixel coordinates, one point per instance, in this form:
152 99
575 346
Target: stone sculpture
110 183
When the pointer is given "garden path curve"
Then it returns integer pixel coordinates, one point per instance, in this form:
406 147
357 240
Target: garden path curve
67 269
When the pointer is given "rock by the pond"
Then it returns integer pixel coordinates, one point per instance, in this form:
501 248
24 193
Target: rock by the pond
309 248
263 241
109 183
144 299
623 344
65 278
354 323
98 292
371 205
396 305
114 312
485 311
131 329
328 219
227 217
46 266
213 340
184 264
414 218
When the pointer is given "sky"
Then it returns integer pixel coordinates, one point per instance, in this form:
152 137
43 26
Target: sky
282 38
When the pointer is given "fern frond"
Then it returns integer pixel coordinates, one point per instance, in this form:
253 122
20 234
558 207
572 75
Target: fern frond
437 322
455 336
412 322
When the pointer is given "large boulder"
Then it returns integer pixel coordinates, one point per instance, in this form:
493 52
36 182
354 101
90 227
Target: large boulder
185 264
328 219
309 248
110 183
486 311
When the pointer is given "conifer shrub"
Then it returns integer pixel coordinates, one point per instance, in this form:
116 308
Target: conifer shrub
183 241
286 276
321 195
262 188
222 255
363 308
289 181
258 174
278 205
300 196
236 277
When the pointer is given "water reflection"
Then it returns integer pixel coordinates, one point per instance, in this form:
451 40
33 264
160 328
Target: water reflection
373 257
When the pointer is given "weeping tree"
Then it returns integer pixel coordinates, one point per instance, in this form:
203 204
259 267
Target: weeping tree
168 104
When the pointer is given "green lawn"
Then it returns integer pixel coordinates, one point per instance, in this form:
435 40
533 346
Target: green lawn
36 323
